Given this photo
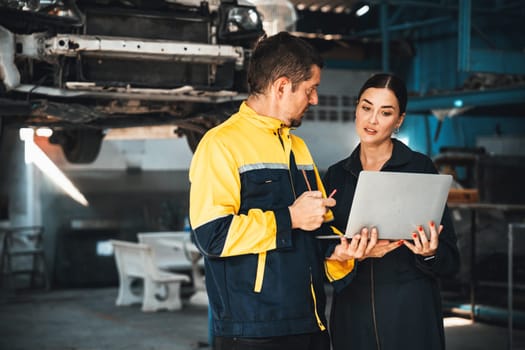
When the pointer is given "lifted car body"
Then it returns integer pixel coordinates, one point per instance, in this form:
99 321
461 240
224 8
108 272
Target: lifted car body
83 67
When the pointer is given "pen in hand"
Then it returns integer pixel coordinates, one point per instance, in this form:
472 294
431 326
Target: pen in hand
310 188
306 180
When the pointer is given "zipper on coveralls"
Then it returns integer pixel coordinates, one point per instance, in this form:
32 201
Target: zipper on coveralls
319 322
312 290
279 131
373 302
261 262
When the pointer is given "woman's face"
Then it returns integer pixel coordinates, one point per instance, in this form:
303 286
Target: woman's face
377 115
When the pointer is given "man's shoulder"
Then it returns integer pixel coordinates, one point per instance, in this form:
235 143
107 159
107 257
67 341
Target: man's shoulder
298 140
234 124
230 133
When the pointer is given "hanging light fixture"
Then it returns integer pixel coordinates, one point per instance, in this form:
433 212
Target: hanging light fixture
361 8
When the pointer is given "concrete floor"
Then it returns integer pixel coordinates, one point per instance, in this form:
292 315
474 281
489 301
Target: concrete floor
87 319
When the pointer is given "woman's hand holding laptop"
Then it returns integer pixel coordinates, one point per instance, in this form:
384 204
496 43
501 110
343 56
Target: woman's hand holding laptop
421 244
361 246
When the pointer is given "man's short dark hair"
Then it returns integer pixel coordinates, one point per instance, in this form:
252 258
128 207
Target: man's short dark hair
281 55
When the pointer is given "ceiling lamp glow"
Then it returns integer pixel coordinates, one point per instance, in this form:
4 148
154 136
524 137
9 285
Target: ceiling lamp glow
362 10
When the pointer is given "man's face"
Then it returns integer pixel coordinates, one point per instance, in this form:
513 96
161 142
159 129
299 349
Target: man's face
296 102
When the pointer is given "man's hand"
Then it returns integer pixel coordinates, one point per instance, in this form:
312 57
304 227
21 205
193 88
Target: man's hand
307 212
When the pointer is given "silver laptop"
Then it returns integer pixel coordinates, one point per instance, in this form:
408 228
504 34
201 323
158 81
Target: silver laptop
397 203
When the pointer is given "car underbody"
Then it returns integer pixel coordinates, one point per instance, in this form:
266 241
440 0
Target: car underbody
83 67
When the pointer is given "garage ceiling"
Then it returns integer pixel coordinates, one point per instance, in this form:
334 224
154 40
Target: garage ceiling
407 12
332 5
400 22
337 5
489 36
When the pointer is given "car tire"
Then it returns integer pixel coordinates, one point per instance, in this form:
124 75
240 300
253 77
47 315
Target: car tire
193 138
80 146
208 120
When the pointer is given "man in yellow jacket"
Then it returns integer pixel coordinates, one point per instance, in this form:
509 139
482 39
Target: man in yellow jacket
256 205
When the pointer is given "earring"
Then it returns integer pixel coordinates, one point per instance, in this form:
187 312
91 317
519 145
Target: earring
396 130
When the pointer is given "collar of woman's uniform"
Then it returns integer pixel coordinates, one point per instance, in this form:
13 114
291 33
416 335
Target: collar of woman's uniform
401 154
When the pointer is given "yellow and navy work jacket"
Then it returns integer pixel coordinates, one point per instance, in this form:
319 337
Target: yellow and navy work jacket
263 279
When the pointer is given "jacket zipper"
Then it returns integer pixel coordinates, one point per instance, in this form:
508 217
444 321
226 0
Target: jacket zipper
261 261
312 290
319 322
372 299
289 171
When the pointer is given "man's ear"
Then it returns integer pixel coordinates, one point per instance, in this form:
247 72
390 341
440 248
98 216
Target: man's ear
280 85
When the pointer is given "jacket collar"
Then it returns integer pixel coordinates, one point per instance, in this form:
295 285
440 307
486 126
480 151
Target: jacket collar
401 155
269 123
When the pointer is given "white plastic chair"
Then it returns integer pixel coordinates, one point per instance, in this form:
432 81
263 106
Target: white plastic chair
167 257
175 252
200 297
161 289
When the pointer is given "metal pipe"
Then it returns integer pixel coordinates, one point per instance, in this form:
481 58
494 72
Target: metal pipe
510 280
464 19
473 276
404 26
385 40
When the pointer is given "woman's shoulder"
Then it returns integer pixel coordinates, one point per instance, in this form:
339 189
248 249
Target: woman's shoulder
336 171
417 160
339 164
348 161
420 157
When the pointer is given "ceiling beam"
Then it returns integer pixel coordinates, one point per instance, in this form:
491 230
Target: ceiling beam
462 99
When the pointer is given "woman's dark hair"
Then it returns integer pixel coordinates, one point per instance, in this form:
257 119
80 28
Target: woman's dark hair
391 82
281 55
